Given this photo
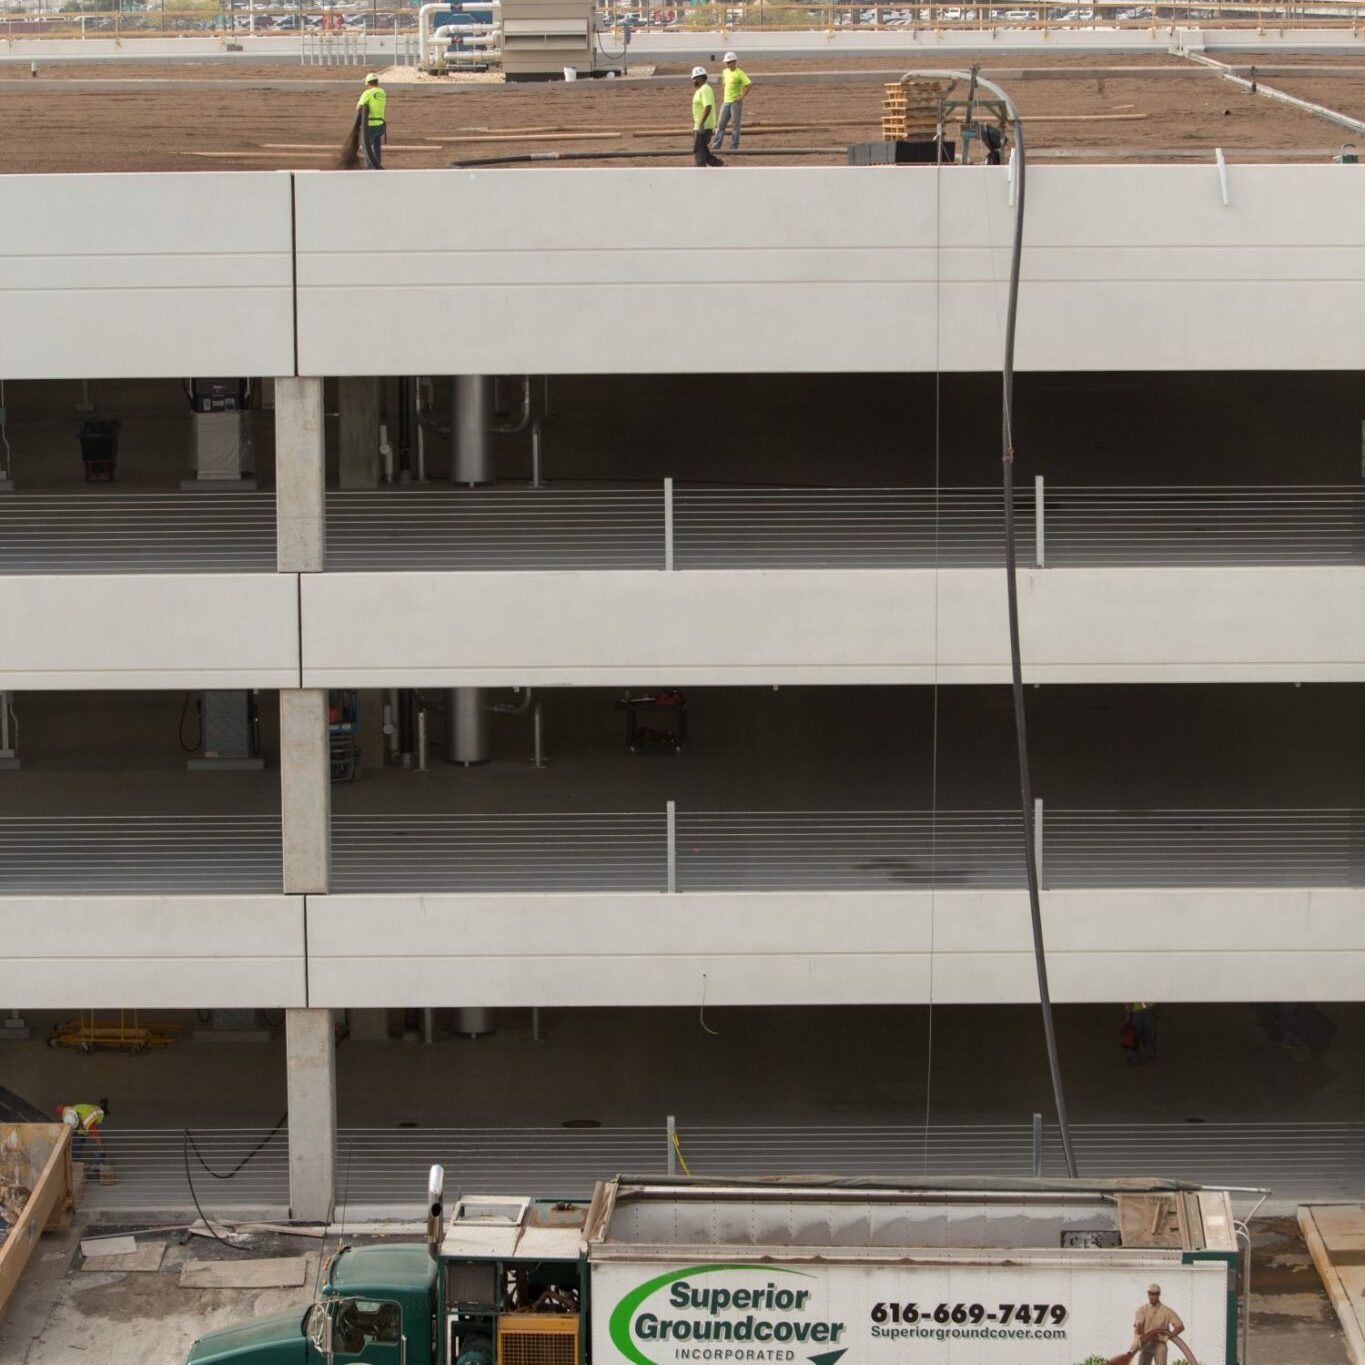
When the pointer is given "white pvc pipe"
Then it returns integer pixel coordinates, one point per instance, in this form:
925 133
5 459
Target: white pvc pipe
432 8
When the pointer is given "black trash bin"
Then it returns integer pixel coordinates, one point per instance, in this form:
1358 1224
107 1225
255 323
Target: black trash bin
99 450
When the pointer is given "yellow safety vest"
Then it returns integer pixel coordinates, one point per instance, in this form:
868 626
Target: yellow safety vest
704 107
374 99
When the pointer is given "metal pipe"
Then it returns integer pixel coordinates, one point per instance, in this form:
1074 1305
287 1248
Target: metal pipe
467 737
436 1194
1039 528
421 738
472 431
524 420
429 9
537 481
513 708
671 837
668 525
391 724
538 738
405 411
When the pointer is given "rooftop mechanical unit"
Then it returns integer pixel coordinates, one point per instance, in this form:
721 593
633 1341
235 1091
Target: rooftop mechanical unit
540 38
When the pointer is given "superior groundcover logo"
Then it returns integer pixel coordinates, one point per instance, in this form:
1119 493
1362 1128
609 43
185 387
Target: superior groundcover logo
723 1313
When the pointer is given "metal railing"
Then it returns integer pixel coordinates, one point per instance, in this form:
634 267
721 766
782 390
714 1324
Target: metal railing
557 851
686 526
692 851
109 854
386 1167
844 850
115 532
244 21
497 528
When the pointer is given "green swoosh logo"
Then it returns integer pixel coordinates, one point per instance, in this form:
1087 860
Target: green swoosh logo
624 1312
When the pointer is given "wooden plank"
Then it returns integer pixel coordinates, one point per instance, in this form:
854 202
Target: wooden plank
270 1272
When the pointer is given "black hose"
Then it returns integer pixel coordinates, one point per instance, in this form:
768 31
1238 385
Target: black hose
524 158
1012 594
180 729
227 1175
1016 666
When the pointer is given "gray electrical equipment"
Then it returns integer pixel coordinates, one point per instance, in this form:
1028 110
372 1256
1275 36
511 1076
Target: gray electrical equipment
540 38
229 735
221 453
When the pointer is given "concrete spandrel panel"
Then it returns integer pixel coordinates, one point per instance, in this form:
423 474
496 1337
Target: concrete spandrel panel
859 626
129 276
101 952
65 632
452 628
1157 624
836 947
1124 267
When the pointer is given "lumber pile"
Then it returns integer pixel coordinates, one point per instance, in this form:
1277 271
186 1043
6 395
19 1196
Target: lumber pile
910 109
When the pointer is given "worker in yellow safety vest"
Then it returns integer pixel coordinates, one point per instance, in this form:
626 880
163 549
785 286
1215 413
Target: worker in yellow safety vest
734 85
84 1120
373 102
703 119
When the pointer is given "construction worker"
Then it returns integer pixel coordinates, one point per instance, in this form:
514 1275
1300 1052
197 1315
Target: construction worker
84 1120
372 102
1153 1326
1142 1016
703 119
734 83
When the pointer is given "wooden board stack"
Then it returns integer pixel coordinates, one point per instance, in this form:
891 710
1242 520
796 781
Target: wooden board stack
910 110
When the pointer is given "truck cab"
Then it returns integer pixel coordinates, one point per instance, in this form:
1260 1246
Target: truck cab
375 1305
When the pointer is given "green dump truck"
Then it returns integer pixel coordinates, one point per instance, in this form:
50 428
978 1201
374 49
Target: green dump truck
776 1272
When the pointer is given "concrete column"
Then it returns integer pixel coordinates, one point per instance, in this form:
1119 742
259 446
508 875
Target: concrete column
300 477
305 790
310 1063
358 406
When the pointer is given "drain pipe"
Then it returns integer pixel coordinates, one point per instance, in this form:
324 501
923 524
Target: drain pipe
537 481
524 420
513 708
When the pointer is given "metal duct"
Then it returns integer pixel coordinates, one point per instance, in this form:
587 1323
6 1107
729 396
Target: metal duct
472 431
467 737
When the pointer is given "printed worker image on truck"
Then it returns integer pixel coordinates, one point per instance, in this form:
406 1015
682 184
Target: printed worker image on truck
672 1271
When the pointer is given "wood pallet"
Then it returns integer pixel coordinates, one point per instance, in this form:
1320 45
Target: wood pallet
910 110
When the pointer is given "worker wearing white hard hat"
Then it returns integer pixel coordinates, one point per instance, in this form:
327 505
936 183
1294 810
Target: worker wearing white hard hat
703 119
735 85
371 109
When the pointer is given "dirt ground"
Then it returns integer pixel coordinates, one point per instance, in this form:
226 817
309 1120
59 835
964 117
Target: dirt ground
207 117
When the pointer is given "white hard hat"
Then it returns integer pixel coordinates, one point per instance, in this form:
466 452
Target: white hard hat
730 57
71 1118
698 71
